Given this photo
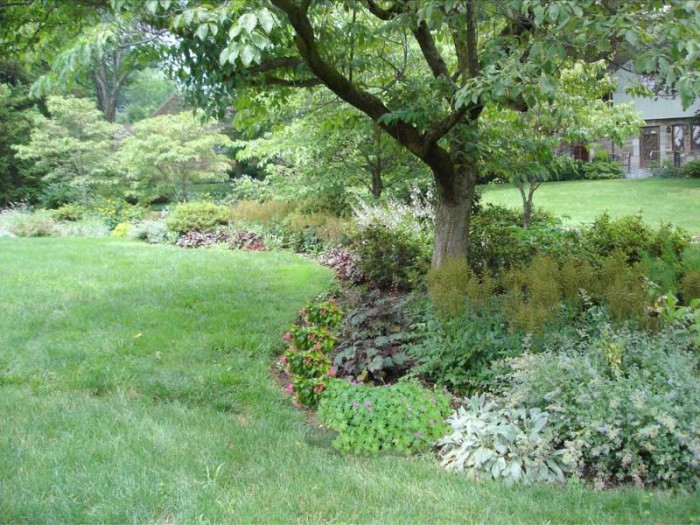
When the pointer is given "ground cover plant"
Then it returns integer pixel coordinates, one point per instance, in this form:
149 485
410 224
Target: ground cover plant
136 387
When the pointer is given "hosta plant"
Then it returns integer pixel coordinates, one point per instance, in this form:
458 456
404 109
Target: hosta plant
513 445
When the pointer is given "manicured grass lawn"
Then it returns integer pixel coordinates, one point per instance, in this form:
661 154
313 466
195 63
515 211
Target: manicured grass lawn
135 387
669 200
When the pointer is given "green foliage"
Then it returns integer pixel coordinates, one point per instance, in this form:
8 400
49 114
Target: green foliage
18 181
23 223
70 212
691 169
171 152
115 211
145 92
602 169
459 352
634 238
513 445
122 230
452 282
628 401
197 216
404 417
152 231
391 259
690 285
623 288
73 146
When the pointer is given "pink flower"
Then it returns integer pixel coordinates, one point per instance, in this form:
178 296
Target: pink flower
290 388
287 337
283 360
331 372
318 389
302 311
317 346
307 360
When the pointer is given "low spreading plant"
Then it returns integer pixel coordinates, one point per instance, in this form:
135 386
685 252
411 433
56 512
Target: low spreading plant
151 231
122 230
69 212
246 240
22 222
513 445
196 239
404 417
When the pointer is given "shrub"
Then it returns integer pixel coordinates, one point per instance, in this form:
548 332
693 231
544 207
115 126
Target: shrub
629 402
152 231
70 212
23 223
459 352
515 445
622 288
404 417
602 169
122 229
304 232
197 216
391 259
691 169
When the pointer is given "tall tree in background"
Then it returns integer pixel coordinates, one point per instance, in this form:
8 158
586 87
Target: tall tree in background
460 57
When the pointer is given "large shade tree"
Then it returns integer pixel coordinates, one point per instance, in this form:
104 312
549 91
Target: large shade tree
460 57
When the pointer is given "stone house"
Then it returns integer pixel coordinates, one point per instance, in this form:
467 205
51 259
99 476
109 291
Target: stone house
671 136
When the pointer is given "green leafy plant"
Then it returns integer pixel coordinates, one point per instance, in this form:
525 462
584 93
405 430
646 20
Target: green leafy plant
391 259
197 216
691 169
459 352
628 400
70 212
513 445
123 229
404 417
602 169
454 282
151 231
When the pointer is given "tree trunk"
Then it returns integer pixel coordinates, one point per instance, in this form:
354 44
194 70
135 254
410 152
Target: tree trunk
455 198
377 184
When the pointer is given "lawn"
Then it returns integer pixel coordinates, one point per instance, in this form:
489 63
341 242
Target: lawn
669 200
135 386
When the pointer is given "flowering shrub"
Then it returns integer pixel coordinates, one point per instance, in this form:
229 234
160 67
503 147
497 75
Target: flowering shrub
405 417
198 216
306 359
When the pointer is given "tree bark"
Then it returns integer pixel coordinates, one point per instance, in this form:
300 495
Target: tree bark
452 214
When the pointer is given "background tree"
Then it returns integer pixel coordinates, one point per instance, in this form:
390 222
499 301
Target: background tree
74 145
19 181
461 56
171 152
333 150
530 148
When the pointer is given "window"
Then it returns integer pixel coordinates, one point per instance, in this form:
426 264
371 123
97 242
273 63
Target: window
580 151
678 133
695 137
